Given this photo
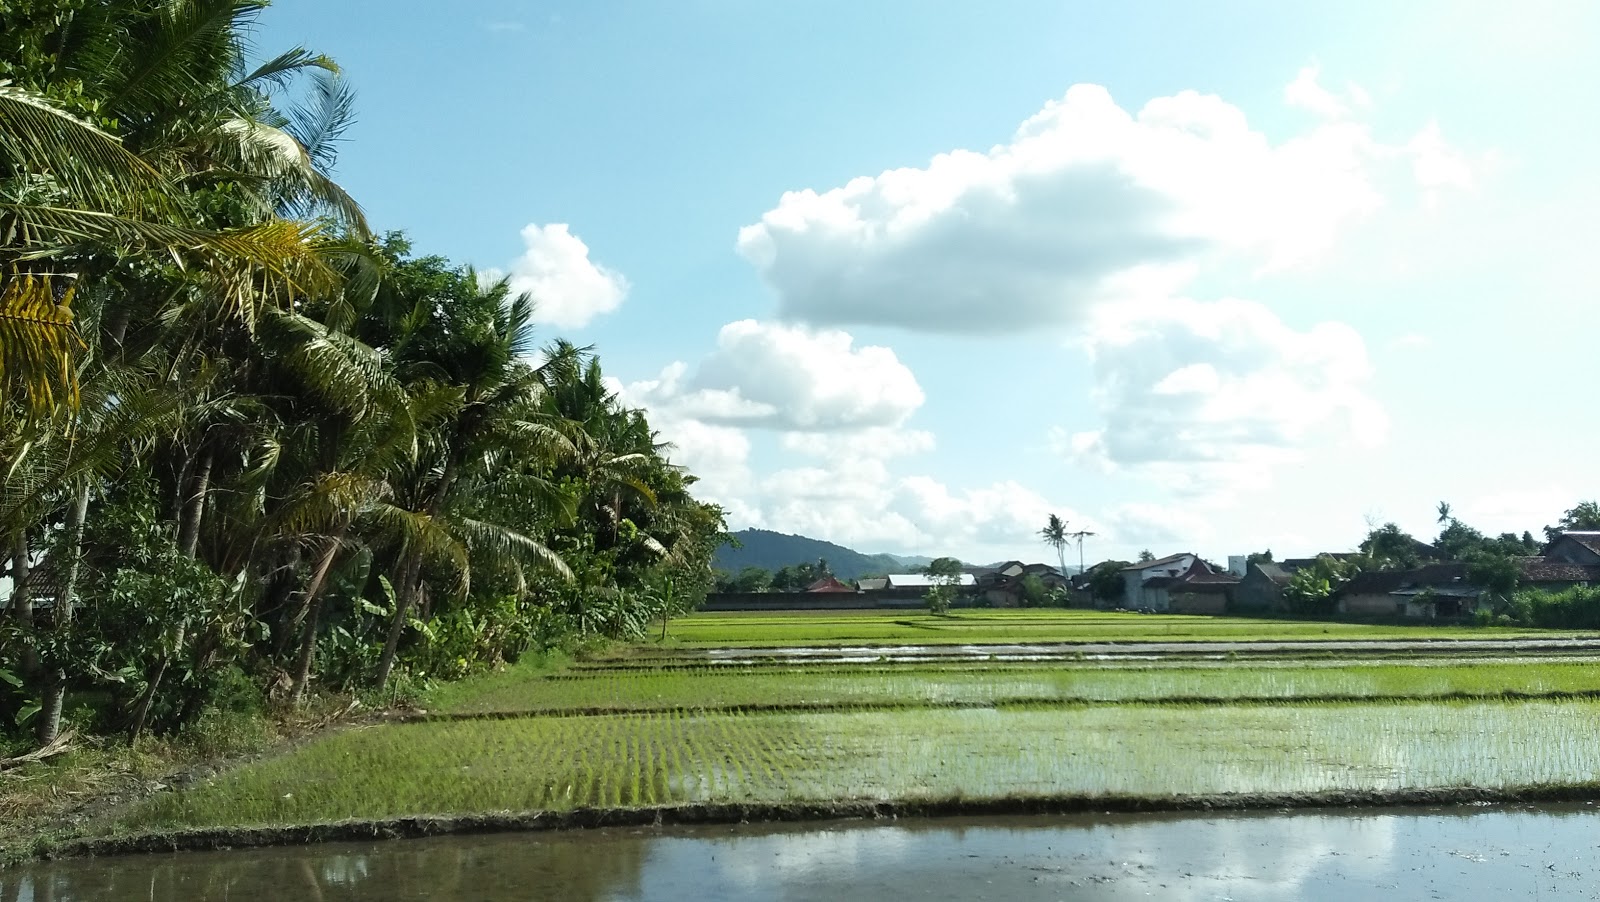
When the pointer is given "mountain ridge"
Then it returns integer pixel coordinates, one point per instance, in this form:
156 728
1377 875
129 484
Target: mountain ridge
774 550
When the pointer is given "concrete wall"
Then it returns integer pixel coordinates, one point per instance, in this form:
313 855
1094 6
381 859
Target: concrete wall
1384 605
1198 603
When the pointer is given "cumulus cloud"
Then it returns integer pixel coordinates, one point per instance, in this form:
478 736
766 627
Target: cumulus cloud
862 502
1084 196
841 484
790 378
1166 526
1201 394
1306 92
568 287
1436 164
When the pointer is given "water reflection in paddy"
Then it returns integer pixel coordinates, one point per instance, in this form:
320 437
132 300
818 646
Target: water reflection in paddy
1486 853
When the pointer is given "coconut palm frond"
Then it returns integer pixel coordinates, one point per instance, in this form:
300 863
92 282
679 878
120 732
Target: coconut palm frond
90 165
277 71
425 535
321 122
509 545
38 343
341 370
257 150
180 51
96 448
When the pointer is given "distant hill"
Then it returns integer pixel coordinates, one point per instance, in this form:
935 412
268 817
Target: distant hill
774 550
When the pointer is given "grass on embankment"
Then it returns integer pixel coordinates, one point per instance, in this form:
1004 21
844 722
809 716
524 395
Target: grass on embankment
562 763
910 685
802 628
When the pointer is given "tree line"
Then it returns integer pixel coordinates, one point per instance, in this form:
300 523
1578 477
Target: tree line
1492 563
248 446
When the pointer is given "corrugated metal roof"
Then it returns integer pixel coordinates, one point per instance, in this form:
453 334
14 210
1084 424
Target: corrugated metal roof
1160 561
923 581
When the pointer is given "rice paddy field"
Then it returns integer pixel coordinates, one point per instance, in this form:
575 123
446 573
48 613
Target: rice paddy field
1035 626
681 724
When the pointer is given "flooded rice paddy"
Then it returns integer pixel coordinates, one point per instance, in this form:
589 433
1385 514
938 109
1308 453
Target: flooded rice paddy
562 763
1484 853
830 729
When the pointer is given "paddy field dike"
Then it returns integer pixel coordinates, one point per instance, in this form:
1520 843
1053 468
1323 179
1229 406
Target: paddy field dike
808 714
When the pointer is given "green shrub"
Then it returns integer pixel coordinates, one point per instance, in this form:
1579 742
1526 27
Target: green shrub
1574 608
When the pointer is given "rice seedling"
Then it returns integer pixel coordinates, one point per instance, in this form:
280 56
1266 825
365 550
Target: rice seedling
796 628
924 685
1152 751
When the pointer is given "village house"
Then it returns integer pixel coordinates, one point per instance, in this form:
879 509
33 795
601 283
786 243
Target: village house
1443 590
922 582
1575 547
1262 583
1261 588
1198 590
1179 584
1001 585
1555 574
1135 576
829 584
1426 592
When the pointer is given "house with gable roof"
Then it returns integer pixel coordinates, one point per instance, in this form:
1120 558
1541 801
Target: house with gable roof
1575 547
1179 583
1135 576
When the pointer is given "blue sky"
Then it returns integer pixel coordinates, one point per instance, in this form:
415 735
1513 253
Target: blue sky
911 275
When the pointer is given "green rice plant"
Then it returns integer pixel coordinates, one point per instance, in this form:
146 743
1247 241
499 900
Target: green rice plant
1148 751
1034 625
930 685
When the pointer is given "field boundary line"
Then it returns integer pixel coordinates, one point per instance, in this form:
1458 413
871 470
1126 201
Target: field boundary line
417 827
1011 703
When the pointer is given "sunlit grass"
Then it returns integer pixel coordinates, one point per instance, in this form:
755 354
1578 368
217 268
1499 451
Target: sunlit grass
560 763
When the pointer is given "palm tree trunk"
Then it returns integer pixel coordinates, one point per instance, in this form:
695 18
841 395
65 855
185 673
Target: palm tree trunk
173 509
402 606
66 603
22 600
308 635
411 574
195 504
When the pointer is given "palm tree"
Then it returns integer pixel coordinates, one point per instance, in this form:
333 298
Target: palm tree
1055 535
500 414
192 121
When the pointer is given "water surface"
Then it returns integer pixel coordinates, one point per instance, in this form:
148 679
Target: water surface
1482 853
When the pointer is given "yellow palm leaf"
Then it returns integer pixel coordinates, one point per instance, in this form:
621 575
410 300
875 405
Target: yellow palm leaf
38 344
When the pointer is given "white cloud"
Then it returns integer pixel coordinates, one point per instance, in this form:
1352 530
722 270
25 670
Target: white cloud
1166 528
787 377
843 487
1529 509
1307 93
877 442
1435 163
568 288
1085 197
1208 395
